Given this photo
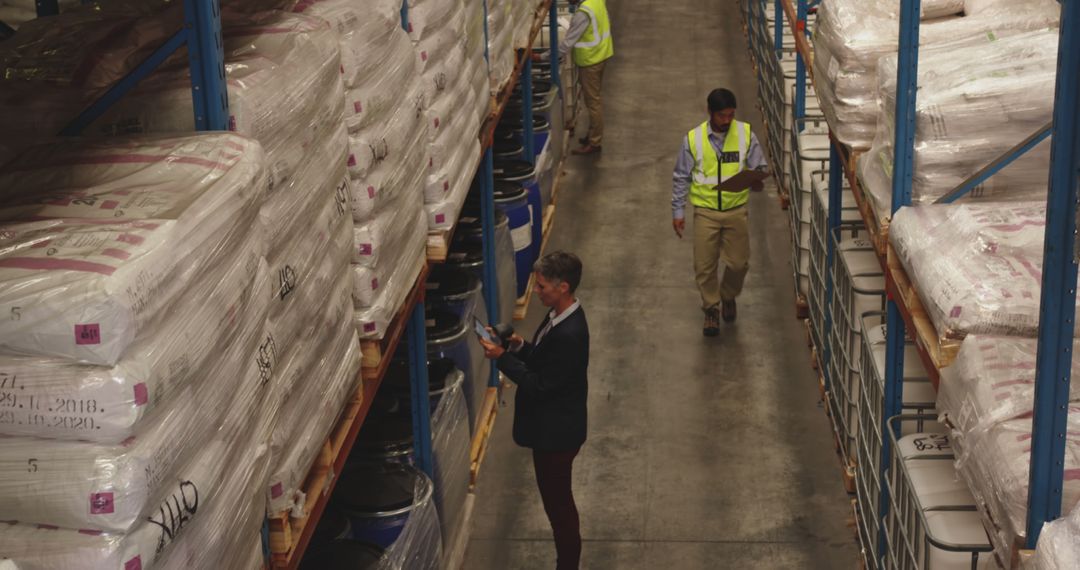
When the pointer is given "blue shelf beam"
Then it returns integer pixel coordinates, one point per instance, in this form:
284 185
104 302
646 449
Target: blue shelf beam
206 57
553 35
1057 309
419 387
778 27
907 77
994 167
527 109
405 15
486 181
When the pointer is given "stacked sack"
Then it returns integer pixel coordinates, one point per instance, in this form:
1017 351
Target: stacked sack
987 396
285 90
135 391
386 158
967 115
853 35
524 18
449 70
501 56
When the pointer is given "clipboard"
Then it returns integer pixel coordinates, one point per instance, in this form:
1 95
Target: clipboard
742 180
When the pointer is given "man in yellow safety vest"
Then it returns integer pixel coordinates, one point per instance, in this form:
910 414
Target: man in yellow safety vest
715 151
590 38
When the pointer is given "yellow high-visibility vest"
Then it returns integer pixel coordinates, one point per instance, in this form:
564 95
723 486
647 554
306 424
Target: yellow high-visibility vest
710 169
595 45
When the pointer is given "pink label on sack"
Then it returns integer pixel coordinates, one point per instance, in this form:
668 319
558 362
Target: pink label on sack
365 249
955 312
358 107
232 122
374 284
109 205
371 192
130 238
89 532
277 490
440 218
423 56
142 395
410 28
41 244
88 334
101 504
436 122
133 564
446 185
369 327
48 527
352 160
116 253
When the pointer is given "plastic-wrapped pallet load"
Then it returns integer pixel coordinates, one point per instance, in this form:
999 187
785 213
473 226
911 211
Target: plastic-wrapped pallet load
500 43
166 485
977 267
995 463
450 447
992 380
1059 544
967 115
852 35
419 546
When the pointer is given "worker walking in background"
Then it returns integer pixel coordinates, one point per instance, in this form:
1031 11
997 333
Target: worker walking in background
590 38
715 151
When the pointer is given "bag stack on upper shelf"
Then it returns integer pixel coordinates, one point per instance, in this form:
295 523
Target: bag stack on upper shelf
974 103
500 40
385 158
135 392
853 35
284 79
444 33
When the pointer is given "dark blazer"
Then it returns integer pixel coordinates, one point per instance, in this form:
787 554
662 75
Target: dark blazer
550 408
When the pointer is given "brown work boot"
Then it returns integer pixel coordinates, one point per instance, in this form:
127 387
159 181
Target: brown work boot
729 311
712 322
587 149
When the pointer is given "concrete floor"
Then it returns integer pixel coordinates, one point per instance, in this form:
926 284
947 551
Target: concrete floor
702 453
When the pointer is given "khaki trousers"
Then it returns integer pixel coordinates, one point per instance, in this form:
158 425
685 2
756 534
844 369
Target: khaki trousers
591 78
721 236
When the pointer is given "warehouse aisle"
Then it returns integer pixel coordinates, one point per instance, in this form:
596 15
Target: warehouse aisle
702 453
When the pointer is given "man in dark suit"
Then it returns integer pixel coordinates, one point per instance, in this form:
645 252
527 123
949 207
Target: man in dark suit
551 374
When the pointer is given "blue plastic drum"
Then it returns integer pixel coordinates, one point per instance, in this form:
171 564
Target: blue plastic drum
379 499
513 200
343 555
523 174
457 289
467 252
450 337
443 376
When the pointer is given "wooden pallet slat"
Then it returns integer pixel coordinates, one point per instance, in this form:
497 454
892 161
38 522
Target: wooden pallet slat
482 438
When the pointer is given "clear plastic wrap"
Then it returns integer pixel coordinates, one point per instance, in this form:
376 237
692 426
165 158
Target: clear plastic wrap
390 142
852 35
500 43
110 488
977 267
419 546
1059 544
975 103
444 214
992 380
372 321
995 463
328 366
83 288
450 447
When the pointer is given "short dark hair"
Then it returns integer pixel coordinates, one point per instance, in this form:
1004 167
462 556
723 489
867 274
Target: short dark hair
560 266
720 99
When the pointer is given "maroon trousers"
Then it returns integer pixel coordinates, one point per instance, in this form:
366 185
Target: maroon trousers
553 474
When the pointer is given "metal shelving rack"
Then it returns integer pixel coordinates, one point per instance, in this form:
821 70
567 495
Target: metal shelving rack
1061 254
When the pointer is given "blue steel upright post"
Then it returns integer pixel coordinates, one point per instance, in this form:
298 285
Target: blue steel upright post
907 76
1056 311
405 15
527 110
836 188
800 67
206 56
778 29
553 35
418 383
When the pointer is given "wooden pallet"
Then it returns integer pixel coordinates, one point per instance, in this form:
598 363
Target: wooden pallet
936 351
802 308
377 353
482 438
289 536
